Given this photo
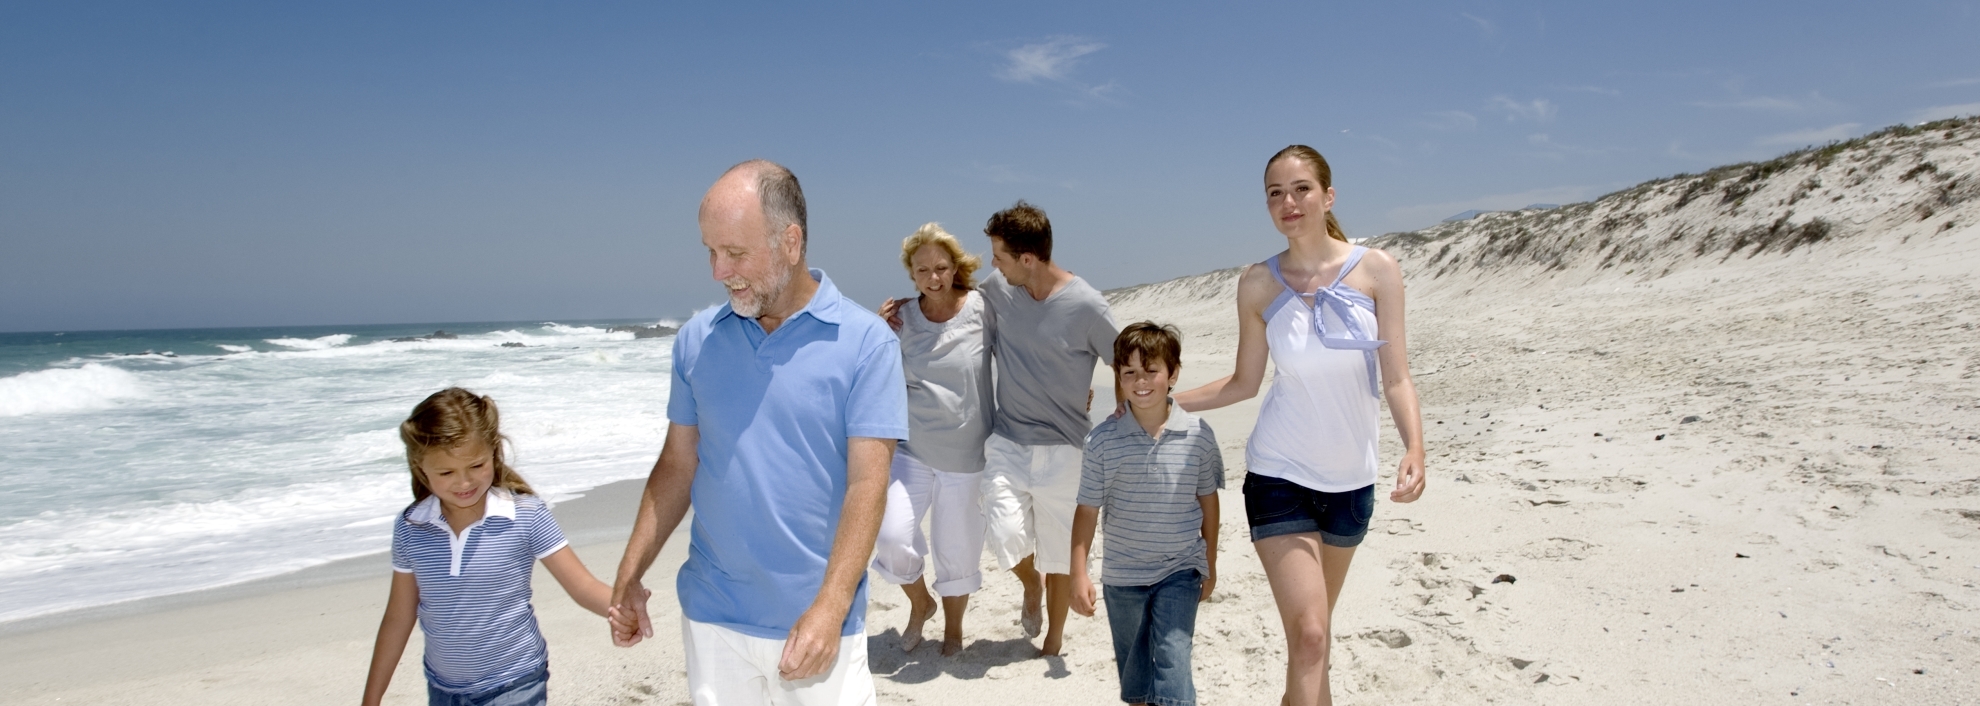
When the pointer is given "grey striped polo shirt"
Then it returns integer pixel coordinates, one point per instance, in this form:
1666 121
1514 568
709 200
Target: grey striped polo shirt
1147 491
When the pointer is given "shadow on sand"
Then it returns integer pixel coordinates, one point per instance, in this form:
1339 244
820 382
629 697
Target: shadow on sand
887 661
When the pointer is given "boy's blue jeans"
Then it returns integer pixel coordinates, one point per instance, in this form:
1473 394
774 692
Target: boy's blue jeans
529 690
1153 628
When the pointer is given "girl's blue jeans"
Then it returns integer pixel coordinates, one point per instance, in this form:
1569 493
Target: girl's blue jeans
531 690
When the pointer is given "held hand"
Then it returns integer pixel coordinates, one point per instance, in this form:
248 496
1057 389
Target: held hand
1082 595
627 615
891 311
1209 586
813 646
1409 478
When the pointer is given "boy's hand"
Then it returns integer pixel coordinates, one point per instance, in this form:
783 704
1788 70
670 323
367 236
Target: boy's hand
1082 594
891 311
1209 585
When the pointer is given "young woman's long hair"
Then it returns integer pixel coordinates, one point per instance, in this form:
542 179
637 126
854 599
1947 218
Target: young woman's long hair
1321 172
447 419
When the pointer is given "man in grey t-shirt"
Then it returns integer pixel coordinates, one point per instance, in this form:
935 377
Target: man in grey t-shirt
1048 329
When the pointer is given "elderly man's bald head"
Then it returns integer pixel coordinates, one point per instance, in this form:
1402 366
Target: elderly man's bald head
775 190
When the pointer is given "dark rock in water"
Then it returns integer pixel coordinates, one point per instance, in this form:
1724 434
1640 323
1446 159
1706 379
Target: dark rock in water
513 344
654 331
443 335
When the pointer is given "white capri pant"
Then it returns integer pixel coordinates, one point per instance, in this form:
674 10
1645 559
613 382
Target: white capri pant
728 668
915 491
1029 494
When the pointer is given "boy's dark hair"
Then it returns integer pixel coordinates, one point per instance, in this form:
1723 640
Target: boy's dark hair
1153 342
1024 229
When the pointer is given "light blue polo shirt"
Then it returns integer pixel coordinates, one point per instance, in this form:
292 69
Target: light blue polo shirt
774 413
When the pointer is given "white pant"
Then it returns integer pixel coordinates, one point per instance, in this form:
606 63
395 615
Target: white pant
1029 493
727 668
957 528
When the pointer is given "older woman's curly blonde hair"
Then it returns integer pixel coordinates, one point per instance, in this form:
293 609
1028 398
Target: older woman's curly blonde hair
932 234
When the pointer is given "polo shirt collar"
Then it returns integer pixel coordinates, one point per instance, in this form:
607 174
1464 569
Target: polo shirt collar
501 503
1179 420
826 305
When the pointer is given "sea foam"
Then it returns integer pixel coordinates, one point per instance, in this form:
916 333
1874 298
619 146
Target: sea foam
313 344
92 386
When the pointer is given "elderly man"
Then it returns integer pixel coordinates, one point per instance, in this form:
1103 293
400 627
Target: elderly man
785 408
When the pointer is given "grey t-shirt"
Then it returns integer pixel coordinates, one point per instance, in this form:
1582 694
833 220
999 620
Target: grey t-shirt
948 380
1045 353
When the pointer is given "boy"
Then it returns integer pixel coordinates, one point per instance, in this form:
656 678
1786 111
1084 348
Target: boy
1155 471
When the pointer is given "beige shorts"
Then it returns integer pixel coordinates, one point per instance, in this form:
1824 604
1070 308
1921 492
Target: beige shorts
1029 494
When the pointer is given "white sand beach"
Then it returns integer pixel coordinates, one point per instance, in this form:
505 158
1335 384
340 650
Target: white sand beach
1708 440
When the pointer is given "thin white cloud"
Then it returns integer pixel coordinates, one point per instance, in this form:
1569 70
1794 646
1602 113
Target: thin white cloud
1601 90
1814 101
1451 121
1945 111
1050 60
1813 136
1955 83
1553 149
1539 110
1485 26
999 173
1427 214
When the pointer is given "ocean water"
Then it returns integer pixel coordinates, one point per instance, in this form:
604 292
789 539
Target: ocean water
144 463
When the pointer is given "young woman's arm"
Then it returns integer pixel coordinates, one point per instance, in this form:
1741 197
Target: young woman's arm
1085 519
1210 522
1256 289
584 588
401 611
1397 385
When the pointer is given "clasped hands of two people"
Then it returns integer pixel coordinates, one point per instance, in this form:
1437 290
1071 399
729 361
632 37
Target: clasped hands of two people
809 651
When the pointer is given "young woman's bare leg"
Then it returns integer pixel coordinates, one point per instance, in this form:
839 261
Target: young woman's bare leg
1305 585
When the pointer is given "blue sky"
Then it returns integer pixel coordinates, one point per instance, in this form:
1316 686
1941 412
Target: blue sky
230 164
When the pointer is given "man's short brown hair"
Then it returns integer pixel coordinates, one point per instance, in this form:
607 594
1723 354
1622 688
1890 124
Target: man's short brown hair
1024 229
1153 342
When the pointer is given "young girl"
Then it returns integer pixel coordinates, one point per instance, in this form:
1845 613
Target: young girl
461 560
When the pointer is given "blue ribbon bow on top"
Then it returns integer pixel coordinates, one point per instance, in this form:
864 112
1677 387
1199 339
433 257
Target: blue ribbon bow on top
1342 300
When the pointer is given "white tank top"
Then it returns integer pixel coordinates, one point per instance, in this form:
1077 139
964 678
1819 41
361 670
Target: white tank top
1317 426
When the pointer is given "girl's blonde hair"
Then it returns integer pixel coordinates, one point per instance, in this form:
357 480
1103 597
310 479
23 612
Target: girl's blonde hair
932 234
447 419
1321 173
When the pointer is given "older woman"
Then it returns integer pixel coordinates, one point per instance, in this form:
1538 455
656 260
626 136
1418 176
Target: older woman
945 352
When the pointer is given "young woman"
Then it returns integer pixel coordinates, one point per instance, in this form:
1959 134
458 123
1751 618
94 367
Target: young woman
945 353
1329 314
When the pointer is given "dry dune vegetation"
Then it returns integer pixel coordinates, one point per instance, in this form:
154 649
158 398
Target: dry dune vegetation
1711 437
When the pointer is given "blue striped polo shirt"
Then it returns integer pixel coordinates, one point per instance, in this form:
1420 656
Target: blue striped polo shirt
474 588
1146 490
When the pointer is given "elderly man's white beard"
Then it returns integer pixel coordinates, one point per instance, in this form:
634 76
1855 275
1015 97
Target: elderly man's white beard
751 305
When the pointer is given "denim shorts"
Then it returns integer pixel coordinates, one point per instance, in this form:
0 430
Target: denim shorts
532 689
1153 627
1275 507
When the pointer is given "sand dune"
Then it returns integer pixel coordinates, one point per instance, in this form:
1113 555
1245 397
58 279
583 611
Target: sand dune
1721 430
